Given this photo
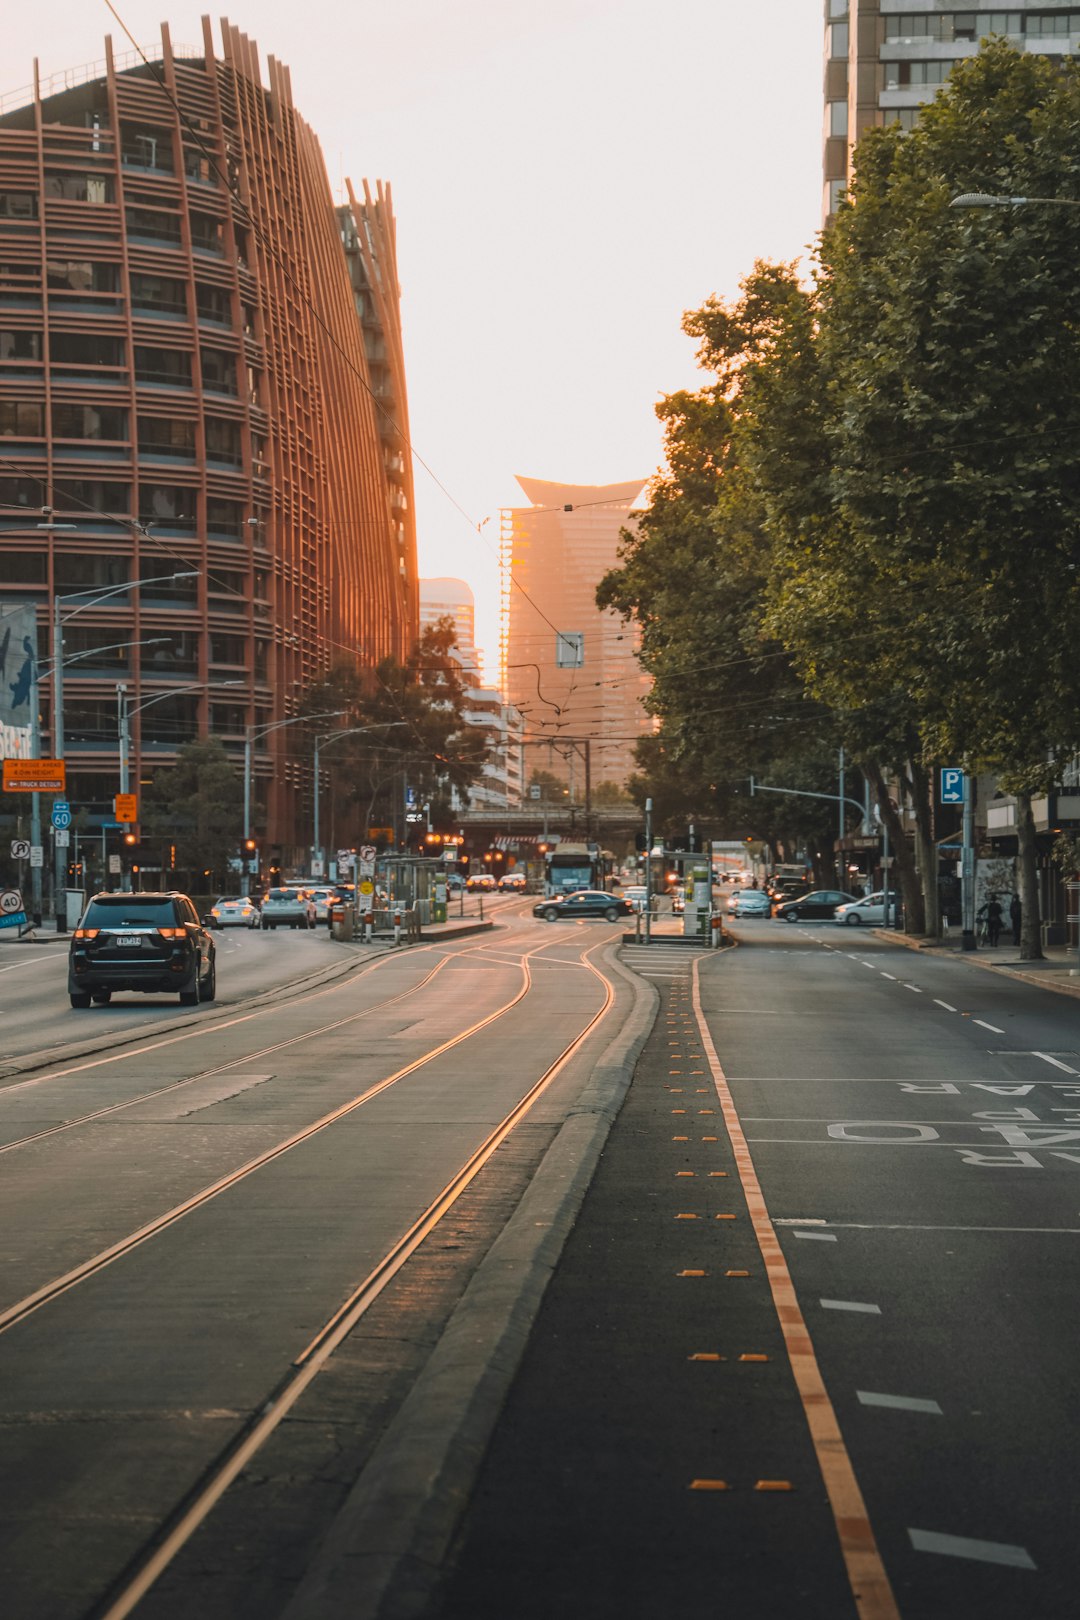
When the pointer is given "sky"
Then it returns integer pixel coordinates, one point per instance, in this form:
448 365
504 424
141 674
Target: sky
568 176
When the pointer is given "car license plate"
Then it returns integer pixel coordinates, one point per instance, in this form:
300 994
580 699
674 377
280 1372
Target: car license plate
129 939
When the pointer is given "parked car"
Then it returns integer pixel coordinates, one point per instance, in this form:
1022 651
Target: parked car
820 903
749 903
153 942
583 903
288 908
870 909
235 911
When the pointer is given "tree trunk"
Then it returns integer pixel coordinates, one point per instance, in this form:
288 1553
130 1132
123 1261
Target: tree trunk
1030 921
926 849
899 847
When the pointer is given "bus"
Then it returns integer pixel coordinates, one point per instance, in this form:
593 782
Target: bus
572 866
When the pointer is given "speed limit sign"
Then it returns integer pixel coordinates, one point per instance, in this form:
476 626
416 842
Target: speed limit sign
10 901
20 849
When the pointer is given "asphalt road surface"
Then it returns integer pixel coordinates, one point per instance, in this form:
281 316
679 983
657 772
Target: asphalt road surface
809 1349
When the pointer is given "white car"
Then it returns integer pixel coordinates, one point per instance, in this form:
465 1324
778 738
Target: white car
322 897
635 894
870 909
232 911
287 908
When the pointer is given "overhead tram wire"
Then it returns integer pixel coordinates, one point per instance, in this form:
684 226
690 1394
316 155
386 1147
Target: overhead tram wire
253 225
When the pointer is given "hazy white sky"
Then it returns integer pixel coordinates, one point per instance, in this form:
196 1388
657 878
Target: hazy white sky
568 177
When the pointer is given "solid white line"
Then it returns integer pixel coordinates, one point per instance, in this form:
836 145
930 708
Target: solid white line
986 1552
849 1305
1048 1059
900 1403
944 1004
991 1027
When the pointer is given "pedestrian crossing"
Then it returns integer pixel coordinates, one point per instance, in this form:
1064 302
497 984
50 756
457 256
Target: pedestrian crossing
660 962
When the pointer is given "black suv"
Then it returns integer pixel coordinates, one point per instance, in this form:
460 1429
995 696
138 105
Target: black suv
149 942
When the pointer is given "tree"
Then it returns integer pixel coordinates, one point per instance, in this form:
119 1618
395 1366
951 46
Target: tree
949 345
197 805
411 729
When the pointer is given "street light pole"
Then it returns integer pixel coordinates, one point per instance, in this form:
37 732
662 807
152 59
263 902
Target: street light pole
328 737
251 736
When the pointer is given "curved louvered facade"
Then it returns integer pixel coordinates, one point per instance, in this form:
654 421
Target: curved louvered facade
200 369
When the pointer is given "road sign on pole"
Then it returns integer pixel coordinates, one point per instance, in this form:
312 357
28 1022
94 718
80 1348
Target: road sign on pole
20 849
61 813
952 785
34 776
126 806
61 837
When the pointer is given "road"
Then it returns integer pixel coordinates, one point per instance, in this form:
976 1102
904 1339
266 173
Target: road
890 1311
830 1246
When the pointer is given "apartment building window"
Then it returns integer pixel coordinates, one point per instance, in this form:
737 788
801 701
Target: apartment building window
214 304
144 147
207 233
18 205
838 8
228 650
25 567
218 371
1052 25
21 492
21 421
88 422
83 496
223 441
972 25
20 345
838 118
228 717
167 504
78 573
152 226
838 40
168 366
902 75
81 275
166 436
225 518
73 349
87 188
158 293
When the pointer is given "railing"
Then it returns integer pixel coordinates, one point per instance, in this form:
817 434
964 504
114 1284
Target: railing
71 78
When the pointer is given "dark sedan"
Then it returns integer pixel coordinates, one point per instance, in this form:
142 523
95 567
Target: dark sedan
819 903
583 903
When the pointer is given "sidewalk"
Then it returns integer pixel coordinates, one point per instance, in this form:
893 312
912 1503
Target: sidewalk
1058 971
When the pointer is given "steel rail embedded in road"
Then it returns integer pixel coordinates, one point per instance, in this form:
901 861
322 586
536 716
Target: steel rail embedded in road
195 1508
91 1267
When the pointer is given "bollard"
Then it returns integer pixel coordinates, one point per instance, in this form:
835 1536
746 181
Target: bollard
717 931
397 927
369 927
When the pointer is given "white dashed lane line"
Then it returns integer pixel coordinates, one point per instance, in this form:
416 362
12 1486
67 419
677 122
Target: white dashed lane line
991 1027
819 1237
898 1403
944 1004
986 1552
891 976
849 1305
1055 1061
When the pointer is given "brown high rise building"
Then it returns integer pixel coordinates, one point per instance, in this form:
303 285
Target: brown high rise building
568 667
200 373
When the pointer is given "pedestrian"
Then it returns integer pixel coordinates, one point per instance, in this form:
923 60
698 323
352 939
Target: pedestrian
1016 912
994 918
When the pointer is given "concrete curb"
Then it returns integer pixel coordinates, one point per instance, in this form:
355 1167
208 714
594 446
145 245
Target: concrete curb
384 1552
1046 980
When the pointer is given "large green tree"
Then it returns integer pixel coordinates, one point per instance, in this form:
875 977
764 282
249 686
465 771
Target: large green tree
196 807
945 550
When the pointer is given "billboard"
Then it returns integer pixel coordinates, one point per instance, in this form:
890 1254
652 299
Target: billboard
18 678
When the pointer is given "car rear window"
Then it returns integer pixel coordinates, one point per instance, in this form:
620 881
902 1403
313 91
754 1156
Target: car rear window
284 894
127 911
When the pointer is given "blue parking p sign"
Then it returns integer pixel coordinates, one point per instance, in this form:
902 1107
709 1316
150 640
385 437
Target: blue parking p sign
952 785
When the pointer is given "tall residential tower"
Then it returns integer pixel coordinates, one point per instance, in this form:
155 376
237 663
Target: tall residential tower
200 374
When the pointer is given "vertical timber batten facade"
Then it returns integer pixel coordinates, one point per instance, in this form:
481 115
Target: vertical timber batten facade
200 370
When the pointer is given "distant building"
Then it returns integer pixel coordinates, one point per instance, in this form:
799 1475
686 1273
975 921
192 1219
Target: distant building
884 59
499 787
200 373
569 668
447 598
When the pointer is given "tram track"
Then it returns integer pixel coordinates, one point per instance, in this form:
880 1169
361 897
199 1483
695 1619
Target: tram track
94 1264
305 1365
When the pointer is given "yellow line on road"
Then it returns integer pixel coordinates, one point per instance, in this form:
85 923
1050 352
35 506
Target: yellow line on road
866 1572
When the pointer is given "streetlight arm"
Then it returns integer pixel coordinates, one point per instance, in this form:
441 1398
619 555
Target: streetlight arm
117 590
176 691
984 199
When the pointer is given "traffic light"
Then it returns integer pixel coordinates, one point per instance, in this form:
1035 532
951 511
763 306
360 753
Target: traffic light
131 838
250 846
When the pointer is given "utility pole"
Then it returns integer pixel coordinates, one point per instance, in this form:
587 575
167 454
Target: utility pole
648 871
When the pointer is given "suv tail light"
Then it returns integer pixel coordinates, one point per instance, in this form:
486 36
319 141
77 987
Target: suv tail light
173 933
87 933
